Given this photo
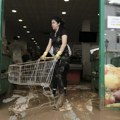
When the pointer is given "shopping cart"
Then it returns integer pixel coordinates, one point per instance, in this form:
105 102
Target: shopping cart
34 73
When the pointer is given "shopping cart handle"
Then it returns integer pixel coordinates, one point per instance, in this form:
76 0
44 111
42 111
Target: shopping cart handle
49 58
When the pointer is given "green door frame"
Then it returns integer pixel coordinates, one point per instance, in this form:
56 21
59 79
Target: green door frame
101 53
102 57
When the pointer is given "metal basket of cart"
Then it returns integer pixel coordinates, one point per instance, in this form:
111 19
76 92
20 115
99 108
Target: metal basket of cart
34 73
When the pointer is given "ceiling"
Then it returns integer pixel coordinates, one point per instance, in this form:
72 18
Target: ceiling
36 15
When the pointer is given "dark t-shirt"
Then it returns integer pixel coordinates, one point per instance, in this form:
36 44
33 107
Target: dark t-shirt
57 41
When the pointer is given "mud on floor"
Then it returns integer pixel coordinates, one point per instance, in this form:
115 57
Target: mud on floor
79 104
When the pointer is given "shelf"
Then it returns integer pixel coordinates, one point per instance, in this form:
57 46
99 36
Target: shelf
75 66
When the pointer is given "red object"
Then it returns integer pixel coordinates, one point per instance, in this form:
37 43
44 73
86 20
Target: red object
109 100
117 94
106 70
73 77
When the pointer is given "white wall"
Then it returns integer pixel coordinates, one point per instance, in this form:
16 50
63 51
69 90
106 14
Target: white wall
113 48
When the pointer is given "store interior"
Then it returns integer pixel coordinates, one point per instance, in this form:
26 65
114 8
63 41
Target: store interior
30 21
26 25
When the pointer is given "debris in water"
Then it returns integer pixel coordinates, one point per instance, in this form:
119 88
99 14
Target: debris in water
89 105
66 106
59 102
11 98
70 115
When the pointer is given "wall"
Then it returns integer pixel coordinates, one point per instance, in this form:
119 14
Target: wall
86 52
113 46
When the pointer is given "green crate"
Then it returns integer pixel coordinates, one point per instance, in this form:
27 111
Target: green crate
116 61
5 86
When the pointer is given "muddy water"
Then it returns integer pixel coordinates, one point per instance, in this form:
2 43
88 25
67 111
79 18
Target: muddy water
84 107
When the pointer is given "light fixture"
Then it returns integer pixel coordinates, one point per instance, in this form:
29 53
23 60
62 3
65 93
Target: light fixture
63 13
32 38
24 26
14 11
98 14
66 0
34 41
28 31
20 20
18 36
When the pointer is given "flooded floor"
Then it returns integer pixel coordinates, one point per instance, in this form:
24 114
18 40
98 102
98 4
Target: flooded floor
79 104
